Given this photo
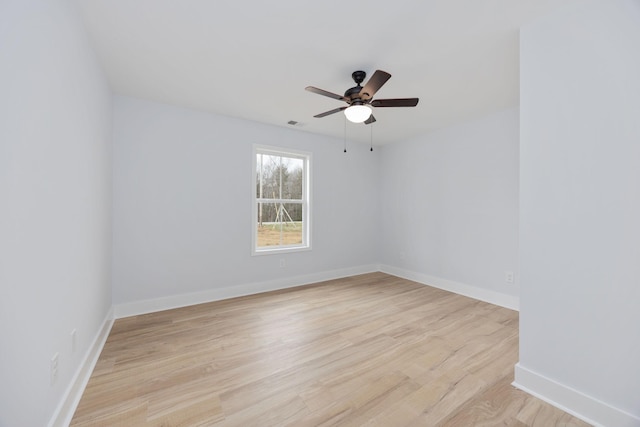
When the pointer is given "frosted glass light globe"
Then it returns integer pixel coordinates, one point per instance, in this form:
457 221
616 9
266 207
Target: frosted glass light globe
358 113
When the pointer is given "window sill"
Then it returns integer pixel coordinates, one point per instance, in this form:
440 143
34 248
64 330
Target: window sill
277 251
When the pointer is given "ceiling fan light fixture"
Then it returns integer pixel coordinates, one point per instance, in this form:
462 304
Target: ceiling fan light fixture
358 113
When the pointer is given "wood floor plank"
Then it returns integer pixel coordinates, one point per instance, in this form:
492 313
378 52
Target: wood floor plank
367 350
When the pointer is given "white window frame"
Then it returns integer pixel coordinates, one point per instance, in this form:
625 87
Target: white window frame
306 201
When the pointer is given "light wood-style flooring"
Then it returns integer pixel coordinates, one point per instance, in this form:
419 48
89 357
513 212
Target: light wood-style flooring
369 350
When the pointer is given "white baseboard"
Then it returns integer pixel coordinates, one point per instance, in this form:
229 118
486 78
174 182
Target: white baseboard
576 403
166 303
67 407
503 300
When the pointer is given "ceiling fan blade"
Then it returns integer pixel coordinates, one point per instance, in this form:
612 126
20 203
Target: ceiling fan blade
374 84
370 120
398 102
325 93
326 113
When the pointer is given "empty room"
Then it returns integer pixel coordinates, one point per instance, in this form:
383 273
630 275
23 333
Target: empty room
340 213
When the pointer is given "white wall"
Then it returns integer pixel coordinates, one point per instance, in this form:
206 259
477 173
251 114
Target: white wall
450 208
182 203
55 130
580 210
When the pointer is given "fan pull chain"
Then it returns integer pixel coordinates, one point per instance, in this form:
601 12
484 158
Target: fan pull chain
371 136
345 134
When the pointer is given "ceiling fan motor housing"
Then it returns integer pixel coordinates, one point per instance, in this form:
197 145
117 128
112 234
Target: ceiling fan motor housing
353 93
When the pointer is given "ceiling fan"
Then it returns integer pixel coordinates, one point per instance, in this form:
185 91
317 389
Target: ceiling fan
359 98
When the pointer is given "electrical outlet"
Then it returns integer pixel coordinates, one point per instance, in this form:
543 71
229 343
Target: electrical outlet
283 263
54 368
508 277
73 341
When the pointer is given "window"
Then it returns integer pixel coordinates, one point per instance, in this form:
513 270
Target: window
280 200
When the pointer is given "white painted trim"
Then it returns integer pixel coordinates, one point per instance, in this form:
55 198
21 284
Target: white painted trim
576 403
503 300
166 303
67 406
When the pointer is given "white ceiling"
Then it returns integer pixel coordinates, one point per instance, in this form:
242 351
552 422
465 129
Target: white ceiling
253 59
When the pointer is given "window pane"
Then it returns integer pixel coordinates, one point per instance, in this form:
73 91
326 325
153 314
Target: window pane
291 214
268 176
268 230
279 224
292 178
258 174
